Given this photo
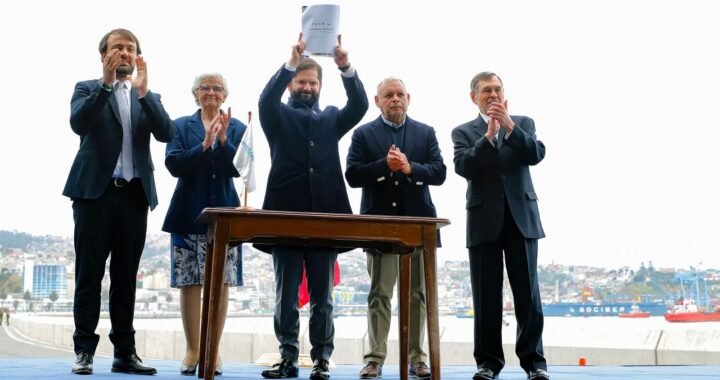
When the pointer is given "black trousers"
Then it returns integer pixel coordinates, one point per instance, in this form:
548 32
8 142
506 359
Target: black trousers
320 272
115 222
486 276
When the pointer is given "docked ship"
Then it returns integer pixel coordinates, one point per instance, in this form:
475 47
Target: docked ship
688 311
600 309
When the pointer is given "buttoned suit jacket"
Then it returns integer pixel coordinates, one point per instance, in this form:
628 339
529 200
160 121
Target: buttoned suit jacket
95 118
205 178
367 168
498 174
305 172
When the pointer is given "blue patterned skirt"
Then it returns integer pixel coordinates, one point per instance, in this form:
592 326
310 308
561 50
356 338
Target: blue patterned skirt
187 261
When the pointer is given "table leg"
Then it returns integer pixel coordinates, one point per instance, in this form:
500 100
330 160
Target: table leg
404 322
430 241
219 251
206 300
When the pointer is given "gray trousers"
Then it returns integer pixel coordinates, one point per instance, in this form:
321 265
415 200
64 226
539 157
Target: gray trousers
384 270
320 269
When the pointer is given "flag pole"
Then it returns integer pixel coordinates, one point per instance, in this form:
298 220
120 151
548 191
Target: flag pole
244 185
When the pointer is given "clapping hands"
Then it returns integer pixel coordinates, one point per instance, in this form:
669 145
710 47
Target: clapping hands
217 129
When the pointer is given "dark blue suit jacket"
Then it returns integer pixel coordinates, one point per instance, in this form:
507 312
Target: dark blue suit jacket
496 175
382 190
95 118
305 173
205 178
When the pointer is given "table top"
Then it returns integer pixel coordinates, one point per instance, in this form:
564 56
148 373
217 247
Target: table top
210 214
387 233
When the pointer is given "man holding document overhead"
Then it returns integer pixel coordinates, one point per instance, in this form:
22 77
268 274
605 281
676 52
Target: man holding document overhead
305 175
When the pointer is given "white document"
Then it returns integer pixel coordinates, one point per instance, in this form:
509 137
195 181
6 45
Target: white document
320 28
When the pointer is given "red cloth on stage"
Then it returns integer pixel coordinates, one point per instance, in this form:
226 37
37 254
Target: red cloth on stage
303 295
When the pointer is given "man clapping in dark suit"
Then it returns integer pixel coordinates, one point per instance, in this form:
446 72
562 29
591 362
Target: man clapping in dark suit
394 159
493 153
111 185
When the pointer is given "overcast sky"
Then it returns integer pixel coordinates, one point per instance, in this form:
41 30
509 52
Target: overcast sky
623 94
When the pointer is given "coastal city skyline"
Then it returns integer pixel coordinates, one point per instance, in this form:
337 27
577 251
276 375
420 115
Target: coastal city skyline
44 266
619 92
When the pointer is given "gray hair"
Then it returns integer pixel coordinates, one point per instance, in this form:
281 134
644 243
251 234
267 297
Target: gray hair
390 79
485 75
200 78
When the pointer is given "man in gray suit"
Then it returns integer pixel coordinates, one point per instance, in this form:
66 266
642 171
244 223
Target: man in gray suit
493 153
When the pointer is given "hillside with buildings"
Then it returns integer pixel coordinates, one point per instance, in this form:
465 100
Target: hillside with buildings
37 273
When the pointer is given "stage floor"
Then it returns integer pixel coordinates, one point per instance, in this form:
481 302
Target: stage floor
59 368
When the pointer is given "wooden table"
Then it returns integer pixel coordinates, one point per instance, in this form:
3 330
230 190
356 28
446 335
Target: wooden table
392 234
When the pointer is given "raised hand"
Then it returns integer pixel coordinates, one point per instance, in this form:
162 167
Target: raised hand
140 81
222 126
498 112
297 52
341 55
111 62
210 132
493 128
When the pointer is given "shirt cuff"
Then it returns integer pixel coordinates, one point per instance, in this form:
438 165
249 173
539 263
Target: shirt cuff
104 86
349 73
290 68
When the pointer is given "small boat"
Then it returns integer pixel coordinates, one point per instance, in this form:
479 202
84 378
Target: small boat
635 312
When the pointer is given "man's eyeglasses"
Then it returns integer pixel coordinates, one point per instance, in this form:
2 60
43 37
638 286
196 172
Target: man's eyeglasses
489 90
215 89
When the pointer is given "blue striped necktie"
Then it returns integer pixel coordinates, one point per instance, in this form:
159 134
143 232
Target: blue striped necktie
123 99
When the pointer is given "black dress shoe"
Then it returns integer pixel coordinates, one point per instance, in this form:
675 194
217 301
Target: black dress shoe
485 374
83 364
320 370
538 374
281 370
188 370
131 364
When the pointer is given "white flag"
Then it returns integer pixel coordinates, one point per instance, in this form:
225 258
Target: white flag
245 160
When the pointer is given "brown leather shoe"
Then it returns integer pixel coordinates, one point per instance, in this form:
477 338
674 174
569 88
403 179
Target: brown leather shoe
420 370
372 370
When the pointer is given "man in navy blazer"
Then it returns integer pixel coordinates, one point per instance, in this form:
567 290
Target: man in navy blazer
305 175
493 153
111 185
394 159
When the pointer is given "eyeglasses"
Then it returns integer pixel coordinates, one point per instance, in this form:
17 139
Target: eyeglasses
489 90
215 89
